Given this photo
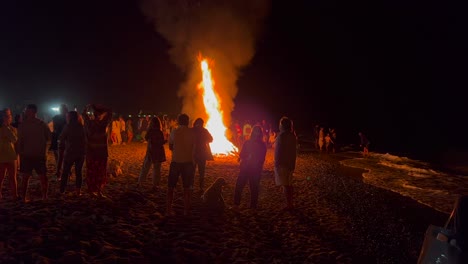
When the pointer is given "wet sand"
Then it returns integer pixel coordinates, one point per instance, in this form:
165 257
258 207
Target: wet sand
339 219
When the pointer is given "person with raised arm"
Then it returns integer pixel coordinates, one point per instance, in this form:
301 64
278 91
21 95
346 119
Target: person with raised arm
96 147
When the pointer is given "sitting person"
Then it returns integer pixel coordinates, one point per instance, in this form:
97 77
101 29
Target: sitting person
213 197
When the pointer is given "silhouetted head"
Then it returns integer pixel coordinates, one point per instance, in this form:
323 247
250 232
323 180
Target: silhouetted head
31 110
155 123
285 124
183 119
257 133
99 112
198 122
63 109
72 117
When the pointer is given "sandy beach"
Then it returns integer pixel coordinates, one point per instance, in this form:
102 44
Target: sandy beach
339 219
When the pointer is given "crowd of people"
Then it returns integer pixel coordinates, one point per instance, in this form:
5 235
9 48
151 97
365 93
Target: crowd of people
325 141
78 139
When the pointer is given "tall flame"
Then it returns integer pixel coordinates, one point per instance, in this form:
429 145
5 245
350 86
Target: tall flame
215 123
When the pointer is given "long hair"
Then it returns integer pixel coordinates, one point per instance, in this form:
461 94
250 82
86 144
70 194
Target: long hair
257 133
155 123
198 122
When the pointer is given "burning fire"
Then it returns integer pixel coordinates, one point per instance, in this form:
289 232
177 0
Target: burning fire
214 124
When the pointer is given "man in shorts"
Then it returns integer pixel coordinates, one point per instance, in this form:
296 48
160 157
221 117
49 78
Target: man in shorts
285 159
33 135
181 143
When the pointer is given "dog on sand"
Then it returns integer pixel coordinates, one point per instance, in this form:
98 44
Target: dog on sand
114 168
213 197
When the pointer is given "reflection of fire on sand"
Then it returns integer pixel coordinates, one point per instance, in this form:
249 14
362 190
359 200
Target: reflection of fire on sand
338 219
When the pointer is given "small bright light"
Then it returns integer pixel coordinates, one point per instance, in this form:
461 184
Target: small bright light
129 115
56 109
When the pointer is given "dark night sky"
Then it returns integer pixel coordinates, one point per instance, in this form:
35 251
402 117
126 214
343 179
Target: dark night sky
395 69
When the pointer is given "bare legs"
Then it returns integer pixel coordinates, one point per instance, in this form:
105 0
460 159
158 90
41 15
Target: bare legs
187 201
25 183
9 167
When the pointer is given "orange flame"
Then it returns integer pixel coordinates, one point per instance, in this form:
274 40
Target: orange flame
215 123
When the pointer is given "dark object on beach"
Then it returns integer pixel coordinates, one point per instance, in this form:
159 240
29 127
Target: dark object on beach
213 197
448 244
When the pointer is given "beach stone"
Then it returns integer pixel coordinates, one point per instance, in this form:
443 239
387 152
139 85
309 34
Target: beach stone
114 260
95 247
42 260
36 241
28 221
72 257
76 214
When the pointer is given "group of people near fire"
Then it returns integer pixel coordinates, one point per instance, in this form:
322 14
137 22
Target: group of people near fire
78 139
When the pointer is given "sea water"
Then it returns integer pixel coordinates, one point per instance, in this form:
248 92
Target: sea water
412 178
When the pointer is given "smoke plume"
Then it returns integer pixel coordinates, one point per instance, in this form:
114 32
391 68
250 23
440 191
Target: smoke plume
222 30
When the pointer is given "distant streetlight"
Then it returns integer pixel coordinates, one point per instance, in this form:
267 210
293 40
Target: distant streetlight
55 109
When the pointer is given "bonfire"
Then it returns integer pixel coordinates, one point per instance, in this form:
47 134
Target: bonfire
215 122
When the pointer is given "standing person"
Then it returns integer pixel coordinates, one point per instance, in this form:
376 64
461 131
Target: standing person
17 121
144 128
333 138
8 156
58 123
237 131
203 138
155 153
96 147
165 127
33 135
285 159
116 135
252 157
266 131
321 139
247 130
72 143
316 136
182 144
129 129
364 144
328 143
123 131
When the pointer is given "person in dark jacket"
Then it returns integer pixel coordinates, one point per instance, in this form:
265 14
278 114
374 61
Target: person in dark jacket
155 153
203 138
58 121
252 157
72 143
285 159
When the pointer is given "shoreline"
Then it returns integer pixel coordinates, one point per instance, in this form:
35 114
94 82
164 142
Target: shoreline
391 222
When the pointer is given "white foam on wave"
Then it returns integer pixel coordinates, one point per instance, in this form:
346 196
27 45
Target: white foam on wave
411 178
408 167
